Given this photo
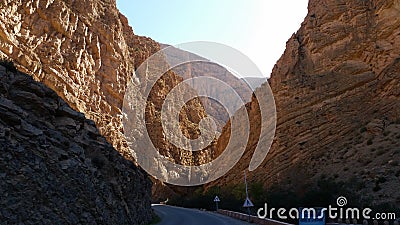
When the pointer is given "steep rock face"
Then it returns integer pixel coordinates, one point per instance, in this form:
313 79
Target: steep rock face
220 96
336 89
74 47
87 53
55 167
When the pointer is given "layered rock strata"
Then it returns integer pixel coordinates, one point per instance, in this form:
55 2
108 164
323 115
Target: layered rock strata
336 89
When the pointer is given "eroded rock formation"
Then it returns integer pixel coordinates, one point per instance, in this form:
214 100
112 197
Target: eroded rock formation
336 89
87 53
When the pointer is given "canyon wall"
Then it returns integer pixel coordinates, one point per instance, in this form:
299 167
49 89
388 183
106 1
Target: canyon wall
220 96
87 53
336 89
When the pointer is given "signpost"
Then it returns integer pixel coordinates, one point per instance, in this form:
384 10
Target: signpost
216 200
247 203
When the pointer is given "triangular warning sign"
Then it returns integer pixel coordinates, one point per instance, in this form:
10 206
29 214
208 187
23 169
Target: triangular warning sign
216 199
248 203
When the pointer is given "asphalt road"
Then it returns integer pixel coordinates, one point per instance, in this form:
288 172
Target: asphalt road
171 215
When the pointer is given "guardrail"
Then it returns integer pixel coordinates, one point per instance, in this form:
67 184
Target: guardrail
253 219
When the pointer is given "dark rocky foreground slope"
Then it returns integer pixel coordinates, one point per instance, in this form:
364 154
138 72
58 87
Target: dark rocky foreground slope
55 167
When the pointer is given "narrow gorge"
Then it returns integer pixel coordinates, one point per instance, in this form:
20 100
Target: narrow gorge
65 157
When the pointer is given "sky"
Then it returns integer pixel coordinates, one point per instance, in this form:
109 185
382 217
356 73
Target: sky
257 28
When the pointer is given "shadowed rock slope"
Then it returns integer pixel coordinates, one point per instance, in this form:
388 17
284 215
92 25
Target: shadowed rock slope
55 167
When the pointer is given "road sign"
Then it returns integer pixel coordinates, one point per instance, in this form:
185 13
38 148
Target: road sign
248 203
216 200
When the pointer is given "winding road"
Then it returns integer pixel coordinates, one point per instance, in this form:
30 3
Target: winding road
171 215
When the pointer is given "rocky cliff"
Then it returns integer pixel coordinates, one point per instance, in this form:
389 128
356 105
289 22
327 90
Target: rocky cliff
336 89
55 167
87 53
219 97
